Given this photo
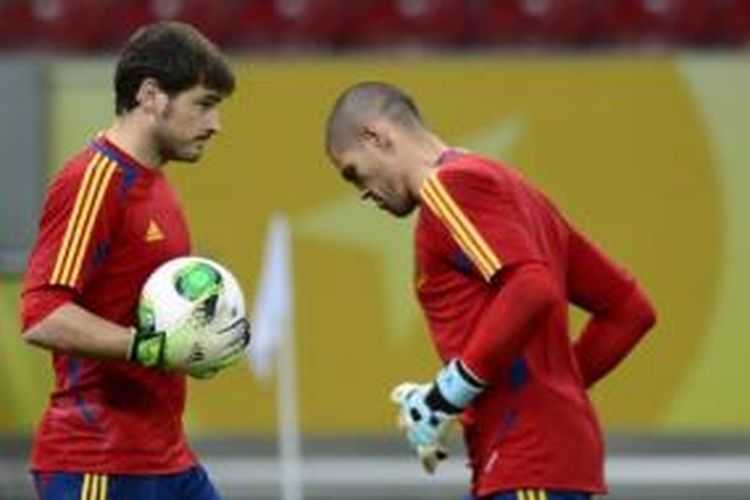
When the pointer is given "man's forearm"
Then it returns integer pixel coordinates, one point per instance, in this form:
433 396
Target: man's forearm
70 329
609 336
507 324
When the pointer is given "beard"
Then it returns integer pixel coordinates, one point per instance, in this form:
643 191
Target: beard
402 212
397 202
183 154
402 209
172 148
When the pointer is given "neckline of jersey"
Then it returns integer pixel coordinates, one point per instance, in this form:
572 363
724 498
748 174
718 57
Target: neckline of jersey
449 154
111 150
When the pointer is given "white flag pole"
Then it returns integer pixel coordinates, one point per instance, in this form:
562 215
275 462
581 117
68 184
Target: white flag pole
290 448
273 339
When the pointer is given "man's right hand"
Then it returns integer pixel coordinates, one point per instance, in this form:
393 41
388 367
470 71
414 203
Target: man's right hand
425 429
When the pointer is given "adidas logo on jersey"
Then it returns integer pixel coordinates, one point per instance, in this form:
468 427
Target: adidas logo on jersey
154 232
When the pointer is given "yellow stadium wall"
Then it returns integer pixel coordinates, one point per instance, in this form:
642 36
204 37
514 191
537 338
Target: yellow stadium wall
645 154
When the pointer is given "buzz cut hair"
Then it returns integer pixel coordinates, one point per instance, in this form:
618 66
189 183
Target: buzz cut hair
363 102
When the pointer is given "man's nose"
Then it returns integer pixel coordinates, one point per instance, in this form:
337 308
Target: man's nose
214 122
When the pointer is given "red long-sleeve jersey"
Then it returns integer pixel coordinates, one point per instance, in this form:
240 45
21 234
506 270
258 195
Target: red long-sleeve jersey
488 246
107 223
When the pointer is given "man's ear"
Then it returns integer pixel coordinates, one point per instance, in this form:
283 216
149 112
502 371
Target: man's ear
151 97
377 135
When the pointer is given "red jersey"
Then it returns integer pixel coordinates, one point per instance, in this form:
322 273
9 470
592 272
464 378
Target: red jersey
107 223
534 427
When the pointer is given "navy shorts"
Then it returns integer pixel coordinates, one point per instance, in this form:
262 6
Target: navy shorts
533 494
192 484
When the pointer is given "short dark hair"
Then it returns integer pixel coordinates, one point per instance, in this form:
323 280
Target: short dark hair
363 101
174 54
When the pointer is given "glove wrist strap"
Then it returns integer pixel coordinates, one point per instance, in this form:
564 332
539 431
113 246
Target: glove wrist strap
455 387
131 355
147 348
435 401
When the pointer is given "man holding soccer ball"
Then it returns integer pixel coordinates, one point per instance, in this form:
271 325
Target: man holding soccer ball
113 426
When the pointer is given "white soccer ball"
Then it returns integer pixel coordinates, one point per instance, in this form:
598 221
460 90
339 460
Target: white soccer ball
171 291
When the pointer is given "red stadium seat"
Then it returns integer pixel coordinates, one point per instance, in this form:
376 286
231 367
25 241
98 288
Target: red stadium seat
17 22
106 24
291 22
215 19
377 22
531 21
697 21
438 21
689 21
125 17
734 22
69 24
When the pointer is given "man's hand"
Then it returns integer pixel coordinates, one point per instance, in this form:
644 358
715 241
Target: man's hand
224 347
425 430
427 410
198 344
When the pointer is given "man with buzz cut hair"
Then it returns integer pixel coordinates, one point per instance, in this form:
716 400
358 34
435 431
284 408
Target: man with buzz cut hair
113 427
497 265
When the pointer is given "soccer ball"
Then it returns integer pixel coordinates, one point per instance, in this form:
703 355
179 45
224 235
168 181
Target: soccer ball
172 289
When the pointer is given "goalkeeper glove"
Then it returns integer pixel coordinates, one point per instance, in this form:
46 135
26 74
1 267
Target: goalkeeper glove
225 347
427 410
196 344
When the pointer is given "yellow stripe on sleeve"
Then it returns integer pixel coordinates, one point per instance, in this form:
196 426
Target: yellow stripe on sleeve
62 252
484 248
79 222
542 494
88 216
77 219
520 495
530 495
457 231
108 169
81 227
466 235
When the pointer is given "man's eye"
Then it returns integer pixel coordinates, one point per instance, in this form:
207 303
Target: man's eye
351 175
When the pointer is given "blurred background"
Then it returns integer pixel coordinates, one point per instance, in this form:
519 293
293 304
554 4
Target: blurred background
633 115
